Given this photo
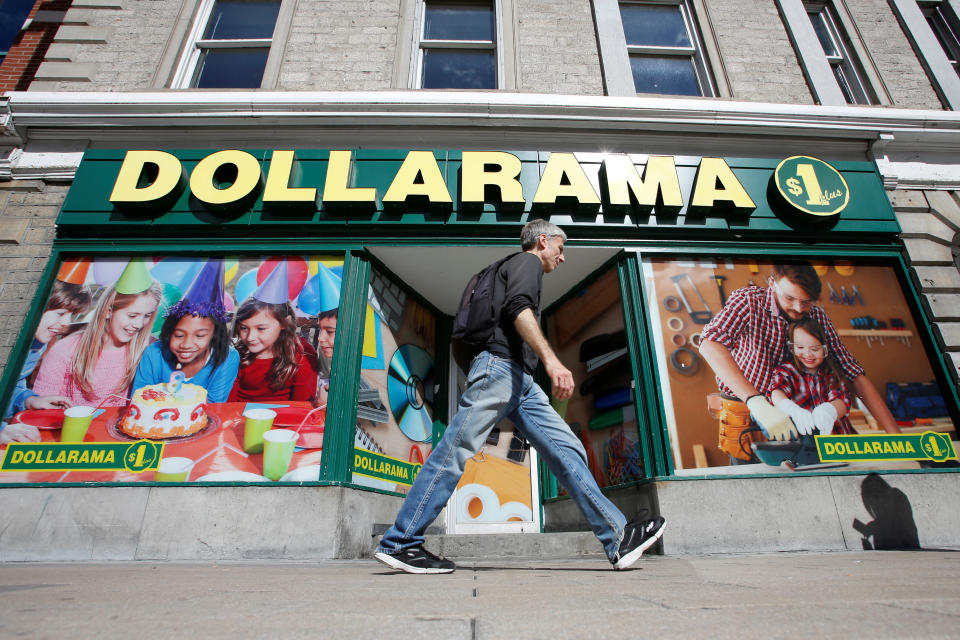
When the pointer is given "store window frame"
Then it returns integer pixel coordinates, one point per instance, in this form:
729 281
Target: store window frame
834 42
914 17
178 66
816 67
338 435
408 68
880 255
615 53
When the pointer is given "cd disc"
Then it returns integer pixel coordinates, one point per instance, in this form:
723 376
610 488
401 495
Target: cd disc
410 389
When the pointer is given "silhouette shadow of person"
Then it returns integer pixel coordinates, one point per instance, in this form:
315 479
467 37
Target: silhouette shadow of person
893 526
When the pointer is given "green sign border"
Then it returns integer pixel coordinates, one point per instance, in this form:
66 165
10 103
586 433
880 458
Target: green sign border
135 457
411 468
863 446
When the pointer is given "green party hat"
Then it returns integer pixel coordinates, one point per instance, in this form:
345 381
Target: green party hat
134 279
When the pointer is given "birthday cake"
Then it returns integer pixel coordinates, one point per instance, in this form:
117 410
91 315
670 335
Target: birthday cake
158 411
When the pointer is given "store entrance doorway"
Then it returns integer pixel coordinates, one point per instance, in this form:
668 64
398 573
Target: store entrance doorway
499 491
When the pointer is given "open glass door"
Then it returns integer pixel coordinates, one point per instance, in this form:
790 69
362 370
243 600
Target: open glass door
498 492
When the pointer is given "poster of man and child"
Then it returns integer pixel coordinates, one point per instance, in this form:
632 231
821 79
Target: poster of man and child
829 343
252 332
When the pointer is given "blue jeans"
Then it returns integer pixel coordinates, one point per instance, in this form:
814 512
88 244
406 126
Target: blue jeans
499 388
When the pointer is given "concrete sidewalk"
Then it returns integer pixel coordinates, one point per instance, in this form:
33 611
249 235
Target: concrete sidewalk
893 594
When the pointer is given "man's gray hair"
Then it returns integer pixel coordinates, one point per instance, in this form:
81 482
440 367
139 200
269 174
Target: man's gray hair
534 229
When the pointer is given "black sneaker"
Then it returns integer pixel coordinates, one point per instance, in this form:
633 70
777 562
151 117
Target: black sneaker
638 536
416 560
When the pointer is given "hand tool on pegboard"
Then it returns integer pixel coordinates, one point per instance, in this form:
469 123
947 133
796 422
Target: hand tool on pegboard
720 280
700 317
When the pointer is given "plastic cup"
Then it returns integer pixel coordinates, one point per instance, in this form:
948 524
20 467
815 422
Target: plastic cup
174 470
277 451
76 421
256 423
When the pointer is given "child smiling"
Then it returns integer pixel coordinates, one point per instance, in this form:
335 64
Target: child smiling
812 389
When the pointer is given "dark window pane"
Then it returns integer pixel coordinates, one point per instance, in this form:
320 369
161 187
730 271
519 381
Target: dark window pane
231 68
459 22
13 13
654 25
673 75
239 19
823 34
452 69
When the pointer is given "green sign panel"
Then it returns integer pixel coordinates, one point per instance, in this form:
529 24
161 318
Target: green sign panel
134 457
381 467
812 186
929 445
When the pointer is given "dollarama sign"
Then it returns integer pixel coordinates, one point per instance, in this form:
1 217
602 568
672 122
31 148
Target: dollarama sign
812 186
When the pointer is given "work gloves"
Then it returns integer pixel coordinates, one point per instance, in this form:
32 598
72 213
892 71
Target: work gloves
775 423
801 417
824 416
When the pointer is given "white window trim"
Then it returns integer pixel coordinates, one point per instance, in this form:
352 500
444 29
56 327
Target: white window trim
820 79
615 54
178 64
844 58
942 74
407 71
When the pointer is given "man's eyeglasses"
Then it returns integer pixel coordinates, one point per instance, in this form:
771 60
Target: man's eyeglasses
813 351
804 303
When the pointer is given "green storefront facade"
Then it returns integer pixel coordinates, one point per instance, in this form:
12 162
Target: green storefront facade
668 238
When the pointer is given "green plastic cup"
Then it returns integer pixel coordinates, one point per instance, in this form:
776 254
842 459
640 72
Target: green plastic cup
173 470
277 452
76 421
256 423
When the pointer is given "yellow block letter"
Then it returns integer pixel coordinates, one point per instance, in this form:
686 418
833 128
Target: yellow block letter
474 176
248 177
659 177
715 183
431 185
278 187
564 167
126 189
335 189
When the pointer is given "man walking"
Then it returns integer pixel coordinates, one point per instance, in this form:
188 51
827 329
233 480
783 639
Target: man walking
500 384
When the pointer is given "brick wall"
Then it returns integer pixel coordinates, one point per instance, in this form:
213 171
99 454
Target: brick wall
30 47
341 45
28 210
899 67
757 55
558 50
931 222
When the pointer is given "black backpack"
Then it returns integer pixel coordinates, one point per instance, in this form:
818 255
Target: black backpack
477 314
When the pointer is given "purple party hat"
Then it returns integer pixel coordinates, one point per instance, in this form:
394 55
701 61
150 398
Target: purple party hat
275 288
204 296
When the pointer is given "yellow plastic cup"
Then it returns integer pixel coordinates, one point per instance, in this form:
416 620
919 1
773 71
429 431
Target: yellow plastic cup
174 470
278 447
76 421
256 423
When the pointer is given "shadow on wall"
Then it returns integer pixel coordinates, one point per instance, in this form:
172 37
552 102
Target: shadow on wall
892 526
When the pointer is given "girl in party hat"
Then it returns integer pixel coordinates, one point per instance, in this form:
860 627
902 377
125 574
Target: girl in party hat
195 339
275 363
69 296
96 366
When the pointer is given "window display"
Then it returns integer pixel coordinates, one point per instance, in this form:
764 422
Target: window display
207 355
753 350
589 337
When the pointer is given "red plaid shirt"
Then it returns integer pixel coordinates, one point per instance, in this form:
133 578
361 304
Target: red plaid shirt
809 390
753 329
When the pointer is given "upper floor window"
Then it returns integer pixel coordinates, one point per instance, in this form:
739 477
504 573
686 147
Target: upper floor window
229 45
946 27
838 51
664 48
458 46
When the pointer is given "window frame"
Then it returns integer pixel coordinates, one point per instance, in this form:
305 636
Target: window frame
694 51
943 75
842 63
615 57
182 70
422 43
819 73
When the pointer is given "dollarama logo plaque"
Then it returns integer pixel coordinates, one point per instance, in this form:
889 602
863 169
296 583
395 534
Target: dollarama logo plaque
812 186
